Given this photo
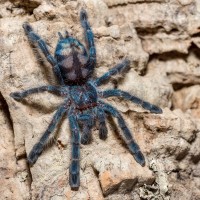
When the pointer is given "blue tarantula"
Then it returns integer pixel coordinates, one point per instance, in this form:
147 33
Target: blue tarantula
73 66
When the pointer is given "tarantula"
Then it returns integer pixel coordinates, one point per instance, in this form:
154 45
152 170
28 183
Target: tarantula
73 66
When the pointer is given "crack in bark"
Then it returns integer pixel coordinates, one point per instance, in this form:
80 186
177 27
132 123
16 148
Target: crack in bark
28 6
4 106
121 4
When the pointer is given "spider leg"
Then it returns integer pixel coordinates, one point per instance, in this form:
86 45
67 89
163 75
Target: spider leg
89 39
38 147
74 170
103 131
132 145
20 95
119 93
86 135
33 37
115 70
88 123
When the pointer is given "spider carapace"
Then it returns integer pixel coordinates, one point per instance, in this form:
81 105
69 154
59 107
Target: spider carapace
83 103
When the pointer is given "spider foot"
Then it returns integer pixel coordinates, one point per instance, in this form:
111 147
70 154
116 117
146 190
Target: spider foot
83 15
74 175
27 27
139 157
35 153
74 181
156 110
126 62
16 95
103 132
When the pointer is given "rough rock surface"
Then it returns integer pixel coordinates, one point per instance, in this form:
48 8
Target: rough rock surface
161 38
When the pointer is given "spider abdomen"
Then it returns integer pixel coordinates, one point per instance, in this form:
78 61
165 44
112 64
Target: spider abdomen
72 59
84 96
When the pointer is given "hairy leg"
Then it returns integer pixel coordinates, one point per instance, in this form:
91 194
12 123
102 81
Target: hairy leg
86 135
132 145
119 93
20 95
33 37
115 70
103 131
74 170
38 147
89 39
88 122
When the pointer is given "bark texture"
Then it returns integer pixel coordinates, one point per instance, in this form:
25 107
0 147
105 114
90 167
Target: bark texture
161 38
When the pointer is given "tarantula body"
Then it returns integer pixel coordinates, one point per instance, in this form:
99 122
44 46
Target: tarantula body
73 67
